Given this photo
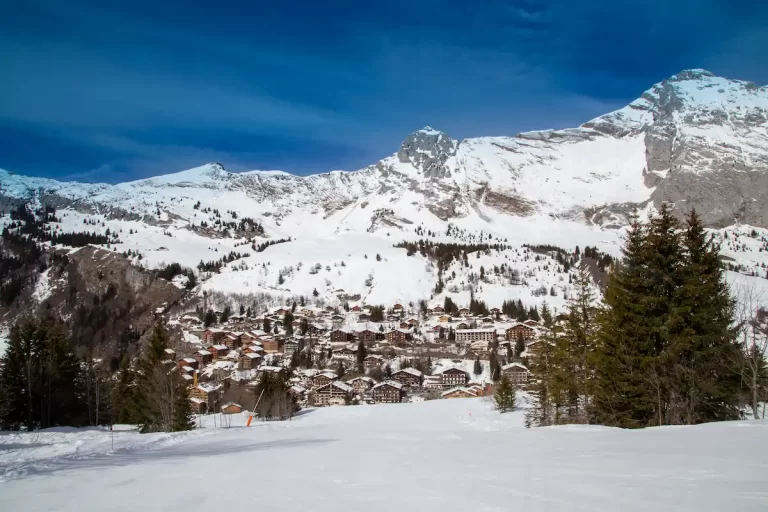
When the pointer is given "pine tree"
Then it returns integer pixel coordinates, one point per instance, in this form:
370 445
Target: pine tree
703 382
288 323
519 345
539 411
478 368
265 326
123 398
362 353
504 397
183 418
624 359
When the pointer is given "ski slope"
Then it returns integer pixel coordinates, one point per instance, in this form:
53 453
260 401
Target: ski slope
447 455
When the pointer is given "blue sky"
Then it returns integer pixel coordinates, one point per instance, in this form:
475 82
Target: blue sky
101 91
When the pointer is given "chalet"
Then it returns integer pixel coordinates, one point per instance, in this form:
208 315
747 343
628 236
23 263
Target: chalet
233 340
387 392
413 322
341 335
356 309
436 310
272 345
170 354
208 393
329 309
463 312
218 351
470 335
188 362
462 392
393 318
372 362
337 318
363 317
444 319
462 325
307 312
531 323
333 393
397 337
367 336
212 335
199 406
408 377
397 308
432 382
480 348
231 408
306 376
527 332
280 311
345 353
454 377
487 320
249 361
517 373
253 349
290 347
203 357
405 325
323 379
535 347
495 311
361 385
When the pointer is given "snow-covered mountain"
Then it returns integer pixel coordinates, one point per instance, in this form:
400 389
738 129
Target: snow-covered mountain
694 139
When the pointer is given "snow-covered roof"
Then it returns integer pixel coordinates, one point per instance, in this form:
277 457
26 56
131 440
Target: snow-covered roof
229 404
221 347
338 384
392 383
412 371
203 352
492 331
465 389
208 387
513 365
170 351
252 355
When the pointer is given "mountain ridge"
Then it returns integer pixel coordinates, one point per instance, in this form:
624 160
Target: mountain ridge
695 140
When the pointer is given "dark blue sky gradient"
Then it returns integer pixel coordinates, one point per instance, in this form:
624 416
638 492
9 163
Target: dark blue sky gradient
98 92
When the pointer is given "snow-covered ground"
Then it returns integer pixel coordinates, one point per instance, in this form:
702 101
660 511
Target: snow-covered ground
447 455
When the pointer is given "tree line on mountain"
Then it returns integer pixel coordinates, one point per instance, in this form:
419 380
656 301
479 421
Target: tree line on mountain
661 349
43 384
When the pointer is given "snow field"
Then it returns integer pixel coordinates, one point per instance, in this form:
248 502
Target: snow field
451 455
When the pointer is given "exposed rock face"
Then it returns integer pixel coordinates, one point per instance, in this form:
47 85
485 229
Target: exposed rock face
428 150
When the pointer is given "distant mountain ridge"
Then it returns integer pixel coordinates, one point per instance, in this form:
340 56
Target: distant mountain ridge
695 139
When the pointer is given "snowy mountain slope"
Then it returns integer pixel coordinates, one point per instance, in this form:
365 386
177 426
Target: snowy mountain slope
695 139
449 455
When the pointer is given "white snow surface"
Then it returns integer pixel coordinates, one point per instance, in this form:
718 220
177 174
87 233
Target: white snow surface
447 455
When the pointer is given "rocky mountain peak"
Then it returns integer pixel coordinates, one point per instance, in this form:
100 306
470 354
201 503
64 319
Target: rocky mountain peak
428 150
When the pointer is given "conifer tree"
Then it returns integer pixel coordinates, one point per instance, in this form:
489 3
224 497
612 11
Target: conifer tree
362 353
702 359
183 418
504 397
624 358
288 323
478 368
539 410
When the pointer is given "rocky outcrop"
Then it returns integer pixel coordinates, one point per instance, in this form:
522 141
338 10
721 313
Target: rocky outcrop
428 150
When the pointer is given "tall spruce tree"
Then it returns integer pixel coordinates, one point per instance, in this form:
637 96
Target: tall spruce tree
625 353
703 358
539 410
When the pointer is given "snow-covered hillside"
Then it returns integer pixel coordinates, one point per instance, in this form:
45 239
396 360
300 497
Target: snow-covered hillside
448 455
695 139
